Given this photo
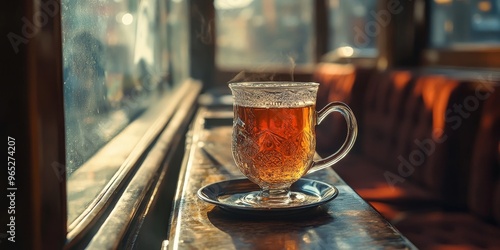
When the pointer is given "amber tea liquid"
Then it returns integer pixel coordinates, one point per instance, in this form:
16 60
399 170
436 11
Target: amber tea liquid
274 147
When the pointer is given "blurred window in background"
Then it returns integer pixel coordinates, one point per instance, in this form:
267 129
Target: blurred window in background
116 66
354 27
465 24
262 34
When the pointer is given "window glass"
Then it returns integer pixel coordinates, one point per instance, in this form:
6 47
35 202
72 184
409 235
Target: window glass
354 26
178 22
465 23
264 33
115 66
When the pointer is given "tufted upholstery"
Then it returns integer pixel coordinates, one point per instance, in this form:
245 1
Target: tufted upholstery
345 81
383 111
427 154
484 191
432 138
449 230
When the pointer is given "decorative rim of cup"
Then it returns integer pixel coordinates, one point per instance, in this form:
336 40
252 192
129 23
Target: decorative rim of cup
272 84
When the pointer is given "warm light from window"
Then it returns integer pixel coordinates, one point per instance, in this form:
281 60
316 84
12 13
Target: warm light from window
443 1
334 4
231 4
127 19
448 26
484 6
346 51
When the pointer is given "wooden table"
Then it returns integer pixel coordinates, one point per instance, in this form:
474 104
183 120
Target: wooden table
347 222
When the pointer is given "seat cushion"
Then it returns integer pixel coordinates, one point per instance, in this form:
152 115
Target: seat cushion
342 83
448 230
414 130
371 183
484 189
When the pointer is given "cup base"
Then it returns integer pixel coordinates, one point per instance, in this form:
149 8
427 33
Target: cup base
262 199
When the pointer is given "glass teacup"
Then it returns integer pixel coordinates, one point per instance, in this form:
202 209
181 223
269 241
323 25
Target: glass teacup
274 139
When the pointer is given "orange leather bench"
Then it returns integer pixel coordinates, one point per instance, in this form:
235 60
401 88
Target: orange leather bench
428 152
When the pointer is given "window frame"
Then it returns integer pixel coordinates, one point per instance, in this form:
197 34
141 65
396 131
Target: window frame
108 207
127 206
463 57
35 118
114 214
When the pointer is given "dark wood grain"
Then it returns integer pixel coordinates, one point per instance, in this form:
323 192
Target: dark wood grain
32 114
347 222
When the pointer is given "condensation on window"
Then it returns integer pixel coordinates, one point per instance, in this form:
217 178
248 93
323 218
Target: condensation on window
117 67
112 65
